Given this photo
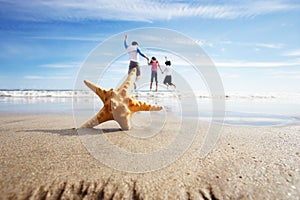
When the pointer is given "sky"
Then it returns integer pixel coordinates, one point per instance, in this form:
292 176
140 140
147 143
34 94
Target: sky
254 45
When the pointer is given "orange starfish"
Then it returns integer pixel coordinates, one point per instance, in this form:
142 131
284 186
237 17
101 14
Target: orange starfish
117 105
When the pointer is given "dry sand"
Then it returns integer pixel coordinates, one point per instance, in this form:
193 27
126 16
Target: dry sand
42 157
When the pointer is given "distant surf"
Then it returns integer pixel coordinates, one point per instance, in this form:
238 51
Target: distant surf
198 94
256 109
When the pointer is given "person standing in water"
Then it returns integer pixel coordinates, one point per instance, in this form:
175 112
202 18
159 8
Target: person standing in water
154 64
168 77
134 52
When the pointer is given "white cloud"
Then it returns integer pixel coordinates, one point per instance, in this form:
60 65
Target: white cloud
59 77
229 76
257 64
141 10
92 39
285 74
33 77
204 43
9 49
292 53
62 65
265 45
271 46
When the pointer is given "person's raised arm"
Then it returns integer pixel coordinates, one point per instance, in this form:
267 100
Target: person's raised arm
125 41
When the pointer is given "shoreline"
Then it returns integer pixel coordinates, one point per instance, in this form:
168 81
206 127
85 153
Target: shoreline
238 112
233 118
43 156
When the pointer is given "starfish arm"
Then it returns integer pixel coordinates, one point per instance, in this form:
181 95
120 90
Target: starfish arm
126 84
136 105
98 90
122 115
101 117
91 123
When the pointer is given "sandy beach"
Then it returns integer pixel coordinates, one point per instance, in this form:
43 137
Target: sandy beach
42 157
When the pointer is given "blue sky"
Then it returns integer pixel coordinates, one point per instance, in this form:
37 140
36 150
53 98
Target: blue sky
255 45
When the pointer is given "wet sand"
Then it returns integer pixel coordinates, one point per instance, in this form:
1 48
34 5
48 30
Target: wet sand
42 157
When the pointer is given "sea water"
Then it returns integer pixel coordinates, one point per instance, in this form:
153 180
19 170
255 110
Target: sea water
240 109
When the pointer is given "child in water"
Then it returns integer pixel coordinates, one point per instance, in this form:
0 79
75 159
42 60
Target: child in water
168 78
154 64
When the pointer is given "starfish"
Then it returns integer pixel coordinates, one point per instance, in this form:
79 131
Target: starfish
118 105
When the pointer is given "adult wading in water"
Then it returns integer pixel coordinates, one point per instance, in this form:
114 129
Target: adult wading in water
134 52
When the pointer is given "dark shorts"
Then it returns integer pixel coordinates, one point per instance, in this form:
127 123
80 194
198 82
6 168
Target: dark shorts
168 80
133 65
153 76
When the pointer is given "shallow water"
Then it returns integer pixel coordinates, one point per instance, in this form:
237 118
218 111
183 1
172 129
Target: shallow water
248 112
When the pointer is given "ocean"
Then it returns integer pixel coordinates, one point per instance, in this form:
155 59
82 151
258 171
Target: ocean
272 109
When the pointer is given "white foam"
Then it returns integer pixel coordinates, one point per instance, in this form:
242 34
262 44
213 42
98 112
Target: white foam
264 96
269 108
280 96
44 93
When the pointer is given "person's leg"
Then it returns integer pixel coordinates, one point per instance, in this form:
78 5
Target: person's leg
155 77
138 74
152 77
170 82
132 65
135 82
129 69
165 80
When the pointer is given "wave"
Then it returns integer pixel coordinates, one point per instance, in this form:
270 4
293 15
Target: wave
44 93
146 93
